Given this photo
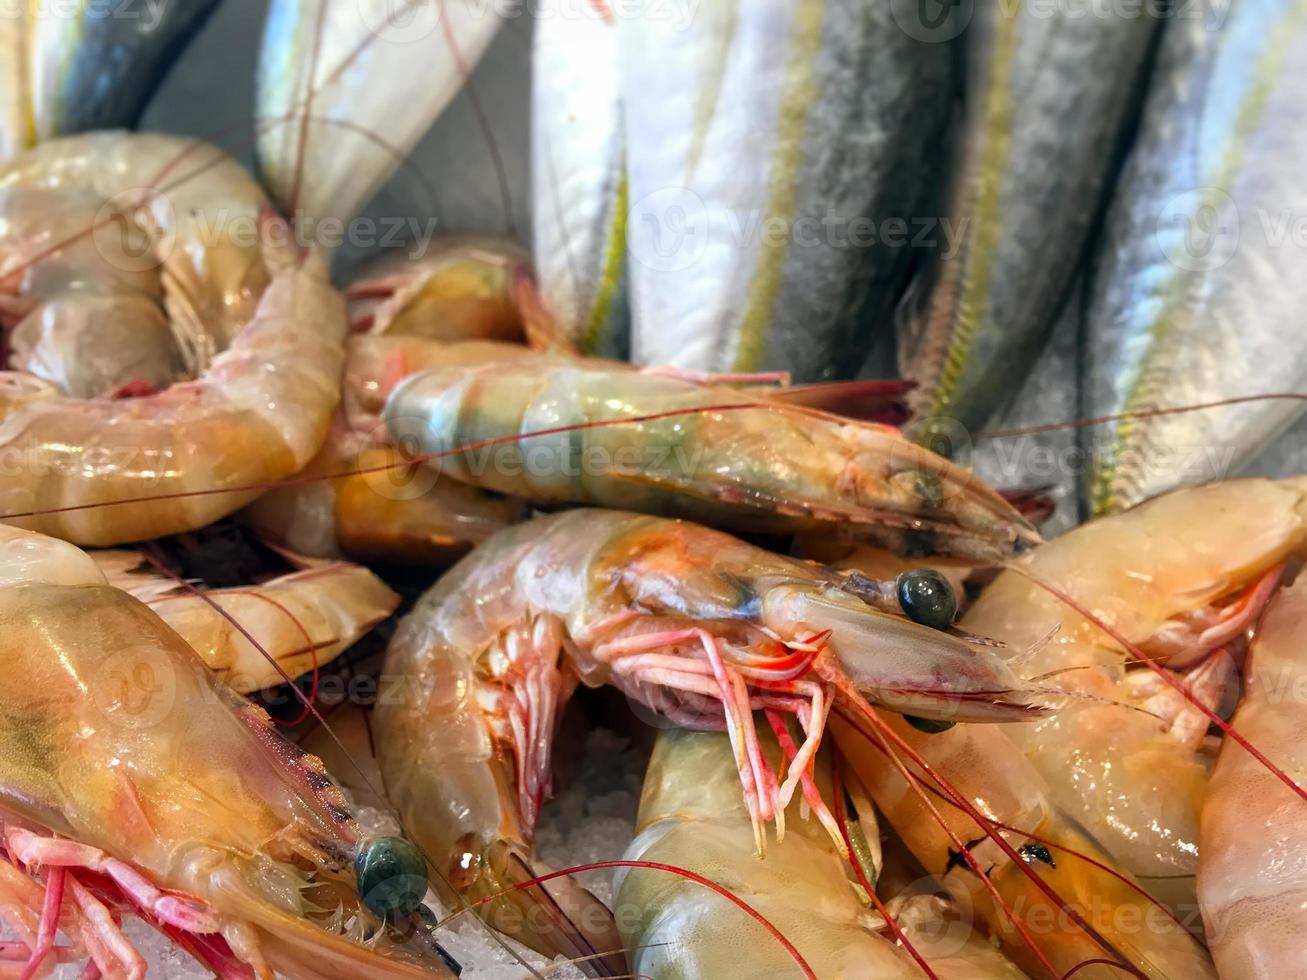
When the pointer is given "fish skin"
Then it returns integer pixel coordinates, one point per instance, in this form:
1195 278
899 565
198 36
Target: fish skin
1049 100
1194 297
579 185
747 129
94 66
356 66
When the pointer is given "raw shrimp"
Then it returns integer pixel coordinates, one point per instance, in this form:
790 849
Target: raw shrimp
691 622
761 466
112 289
259 412
463 287
303 620
1182 576
1043 847
134 782
692 817
1252 865
417 315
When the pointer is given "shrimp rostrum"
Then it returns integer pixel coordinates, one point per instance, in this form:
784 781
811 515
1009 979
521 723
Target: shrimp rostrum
691 622
132 782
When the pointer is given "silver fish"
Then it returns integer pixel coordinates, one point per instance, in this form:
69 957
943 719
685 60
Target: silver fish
578 170
778 152
1201 280
1050 93
82 65
346 90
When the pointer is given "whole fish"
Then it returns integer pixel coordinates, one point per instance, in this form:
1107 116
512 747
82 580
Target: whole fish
578 171
779 152
1201 279
1049 97
346 90
86 64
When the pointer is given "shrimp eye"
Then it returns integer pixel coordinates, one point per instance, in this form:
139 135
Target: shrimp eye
930 726
392 876
927 598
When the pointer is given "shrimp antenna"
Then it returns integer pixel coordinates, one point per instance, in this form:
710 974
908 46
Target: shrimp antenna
1141 655
883 734
838 799
1143 413
1089 859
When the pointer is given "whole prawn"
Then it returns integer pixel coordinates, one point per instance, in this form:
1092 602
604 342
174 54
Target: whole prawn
691 622
763 465
169 454
131 781
1183 577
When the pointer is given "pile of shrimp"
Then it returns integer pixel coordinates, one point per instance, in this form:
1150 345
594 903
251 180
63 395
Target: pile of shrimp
897 732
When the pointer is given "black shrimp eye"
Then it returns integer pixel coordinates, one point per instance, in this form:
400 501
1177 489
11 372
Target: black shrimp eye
930 726
927 598
392 877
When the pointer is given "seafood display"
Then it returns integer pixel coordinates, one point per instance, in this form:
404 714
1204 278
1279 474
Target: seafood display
678 617
500 524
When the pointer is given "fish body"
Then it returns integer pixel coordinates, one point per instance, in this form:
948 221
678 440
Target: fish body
1049 97
579 189
777 153
1199 284
70 68
346 90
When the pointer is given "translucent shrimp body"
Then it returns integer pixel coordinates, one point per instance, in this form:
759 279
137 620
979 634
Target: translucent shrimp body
1252 866
688 621
174 795
302 620
258 413
774 467
984 767
1128 764
691 817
